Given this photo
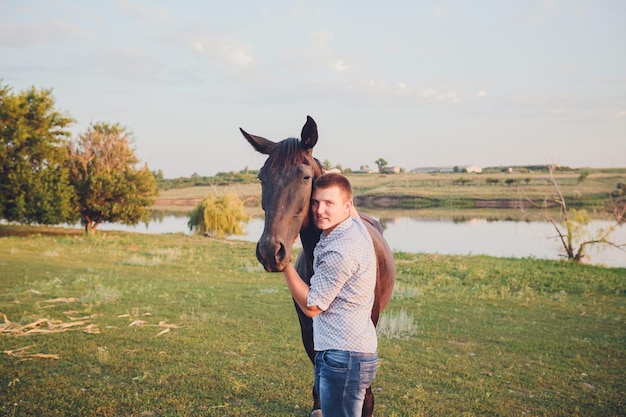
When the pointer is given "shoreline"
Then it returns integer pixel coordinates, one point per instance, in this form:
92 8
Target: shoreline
371 202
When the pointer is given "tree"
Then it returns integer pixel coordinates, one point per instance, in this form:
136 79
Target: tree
109 186
158 175
572 228
34 186
582 177
382 164
617 207
218 216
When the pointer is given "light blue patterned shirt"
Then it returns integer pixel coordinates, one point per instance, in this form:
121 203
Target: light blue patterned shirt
342 286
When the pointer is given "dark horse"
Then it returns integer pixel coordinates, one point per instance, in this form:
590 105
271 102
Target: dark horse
286 180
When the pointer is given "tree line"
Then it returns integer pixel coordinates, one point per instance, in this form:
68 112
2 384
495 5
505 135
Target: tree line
195 180
47 177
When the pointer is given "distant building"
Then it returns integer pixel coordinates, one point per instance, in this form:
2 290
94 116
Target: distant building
367 170
473 168
457 168
392 170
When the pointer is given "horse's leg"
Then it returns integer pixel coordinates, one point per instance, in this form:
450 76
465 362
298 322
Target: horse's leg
368 403
306 331
306 325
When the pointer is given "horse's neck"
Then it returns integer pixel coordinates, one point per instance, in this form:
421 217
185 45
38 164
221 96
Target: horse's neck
309 238
310 234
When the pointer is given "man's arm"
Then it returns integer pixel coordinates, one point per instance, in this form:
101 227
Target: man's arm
299 291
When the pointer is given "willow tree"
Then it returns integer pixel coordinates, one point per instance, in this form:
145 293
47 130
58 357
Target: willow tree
218 216
34 186
110 187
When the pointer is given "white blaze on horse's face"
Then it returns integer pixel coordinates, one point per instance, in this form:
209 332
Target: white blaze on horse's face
287 181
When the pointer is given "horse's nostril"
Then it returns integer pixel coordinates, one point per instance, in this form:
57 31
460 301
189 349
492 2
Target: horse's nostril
280 253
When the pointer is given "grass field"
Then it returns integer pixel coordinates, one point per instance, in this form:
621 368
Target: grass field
170 325
450 189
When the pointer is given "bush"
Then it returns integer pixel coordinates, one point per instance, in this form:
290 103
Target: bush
396 325
218 216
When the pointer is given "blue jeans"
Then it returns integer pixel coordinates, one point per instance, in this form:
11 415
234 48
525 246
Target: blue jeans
341 378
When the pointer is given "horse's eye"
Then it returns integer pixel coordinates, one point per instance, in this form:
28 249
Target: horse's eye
307 177
298 211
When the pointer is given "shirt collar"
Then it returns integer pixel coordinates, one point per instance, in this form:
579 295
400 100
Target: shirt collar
338 230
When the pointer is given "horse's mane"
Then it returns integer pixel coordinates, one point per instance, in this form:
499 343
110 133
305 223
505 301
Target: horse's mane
285 154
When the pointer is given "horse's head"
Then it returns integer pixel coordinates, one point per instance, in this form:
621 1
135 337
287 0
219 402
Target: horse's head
287 180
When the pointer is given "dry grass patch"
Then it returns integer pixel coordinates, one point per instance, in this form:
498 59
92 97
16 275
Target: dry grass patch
45 326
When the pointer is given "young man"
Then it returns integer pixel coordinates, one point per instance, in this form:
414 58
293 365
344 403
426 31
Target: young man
339 299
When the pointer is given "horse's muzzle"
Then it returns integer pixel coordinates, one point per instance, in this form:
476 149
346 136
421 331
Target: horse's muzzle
274 256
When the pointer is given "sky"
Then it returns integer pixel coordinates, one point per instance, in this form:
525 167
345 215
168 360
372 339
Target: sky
419 83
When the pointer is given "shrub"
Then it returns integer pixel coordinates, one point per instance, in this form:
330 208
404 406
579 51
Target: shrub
396 325
218 216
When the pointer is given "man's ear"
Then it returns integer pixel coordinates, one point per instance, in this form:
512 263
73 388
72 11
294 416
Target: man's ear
349 205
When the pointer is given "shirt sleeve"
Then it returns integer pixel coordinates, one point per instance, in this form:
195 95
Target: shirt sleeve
331 273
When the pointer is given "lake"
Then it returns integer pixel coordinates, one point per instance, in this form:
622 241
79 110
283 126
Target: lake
444 235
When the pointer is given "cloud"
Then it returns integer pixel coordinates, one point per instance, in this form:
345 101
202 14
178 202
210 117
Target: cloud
340 66
208 55
569 106
575 8
545 10
351 75
226 52
127 63
134 9
447 97
317 58
18 36
400 91
238 54
320 39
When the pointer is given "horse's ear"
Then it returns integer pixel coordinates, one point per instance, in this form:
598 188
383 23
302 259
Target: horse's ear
309 133
262 145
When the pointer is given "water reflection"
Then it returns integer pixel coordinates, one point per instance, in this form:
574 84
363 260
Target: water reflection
161 222
496 238
501 234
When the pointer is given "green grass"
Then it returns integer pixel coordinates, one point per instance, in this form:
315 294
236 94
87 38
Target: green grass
175 325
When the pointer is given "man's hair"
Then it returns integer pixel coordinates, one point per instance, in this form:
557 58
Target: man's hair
333 179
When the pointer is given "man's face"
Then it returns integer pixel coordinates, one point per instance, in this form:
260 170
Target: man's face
329 207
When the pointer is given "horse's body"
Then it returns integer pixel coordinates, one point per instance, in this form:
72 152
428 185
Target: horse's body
286 180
